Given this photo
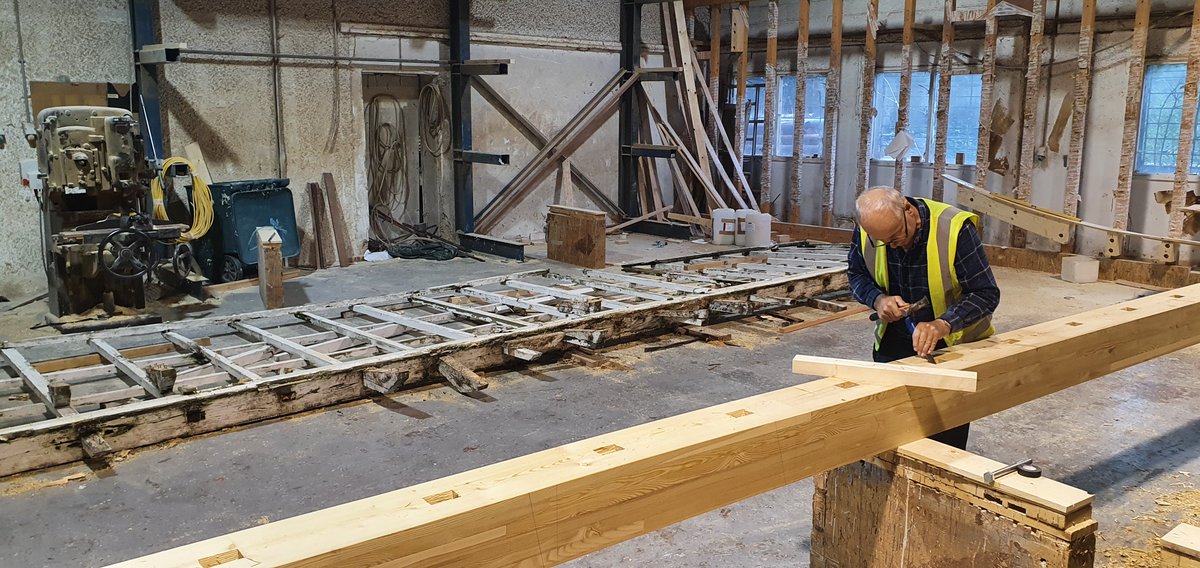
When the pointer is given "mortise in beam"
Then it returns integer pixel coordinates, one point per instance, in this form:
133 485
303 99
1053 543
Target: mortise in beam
1029 141
891 374
833 94
945 66
1133 115
562 503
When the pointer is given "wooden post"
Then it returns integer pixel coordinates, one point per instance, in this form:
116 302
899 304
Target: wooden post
867 113
691 96
739 39
770 107
945 71
322 246
983 156
576 236
1187 129
714 73
1029 141
1133 115
793 213
906 64
833 94
270 267
341 237
1083 82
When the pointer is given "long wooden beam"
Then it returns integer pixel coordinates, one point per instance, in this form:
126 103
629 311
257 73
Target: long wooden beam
552 506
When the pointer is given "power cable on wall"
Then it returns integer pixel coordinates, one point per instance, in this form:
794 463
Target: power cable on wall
387 162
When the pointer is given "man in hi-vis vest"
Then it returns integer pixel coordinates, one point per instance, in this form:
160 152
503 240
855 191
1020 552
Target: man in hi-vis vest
907 250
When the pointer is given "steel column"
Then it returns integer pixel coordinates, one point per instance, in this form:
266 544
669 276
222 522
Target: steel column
460 115
629 119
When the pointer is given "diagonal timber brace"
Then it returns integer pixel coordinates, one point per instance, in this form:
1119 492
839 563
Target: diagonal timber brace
552 506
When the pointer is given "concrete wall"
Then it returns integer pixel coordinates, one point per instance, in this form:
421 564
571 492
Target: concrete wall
562 52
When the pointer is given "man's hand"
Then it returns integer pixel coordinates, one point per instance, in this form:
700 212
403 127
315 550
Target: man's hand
890 308
927 334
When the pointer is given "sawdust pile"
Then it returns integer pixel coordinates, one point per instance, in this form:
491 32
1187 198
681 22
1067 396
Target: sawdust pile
1171 509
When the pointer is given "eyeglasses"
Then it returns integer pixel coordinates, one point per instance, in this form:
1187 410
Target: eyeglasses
897 240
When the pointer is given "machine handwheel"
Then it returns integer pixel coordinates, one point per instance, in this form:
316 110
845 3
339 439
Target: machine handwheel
181 260
127 253
232 269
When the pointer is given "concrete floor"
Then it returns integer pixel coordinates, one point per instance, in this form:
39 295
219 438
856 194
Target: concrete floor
1132 438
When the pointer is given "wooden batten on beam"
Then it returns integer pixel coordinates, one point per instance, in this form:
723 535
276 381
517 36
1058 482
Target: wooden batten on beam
1187 130
549 507
906 65
795 186
1083 82
833 94
867 111
893 374
1133 115
945 65
1029 140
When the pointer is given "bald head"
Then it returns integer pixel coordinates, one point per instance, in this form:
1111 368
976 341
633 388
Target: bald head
881 213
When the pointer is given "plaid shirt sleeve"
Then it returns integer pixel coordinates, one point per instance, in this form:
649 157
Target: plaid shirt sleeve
862 285
981 295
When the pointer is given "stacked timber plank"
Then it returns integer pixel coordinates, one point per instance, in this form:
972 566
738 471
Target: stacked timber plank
552 506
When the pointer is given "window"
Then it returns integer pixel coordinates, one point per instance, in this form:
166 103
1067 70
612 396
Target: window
756 94
962 132
814 115
1162 113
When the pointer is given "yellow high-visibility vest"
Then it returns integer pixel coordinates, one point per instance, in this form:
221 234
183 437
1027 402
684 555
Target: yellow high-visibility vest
945 223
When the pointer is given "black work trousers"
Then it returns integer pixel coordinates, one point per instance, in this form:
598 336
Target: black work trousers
896 345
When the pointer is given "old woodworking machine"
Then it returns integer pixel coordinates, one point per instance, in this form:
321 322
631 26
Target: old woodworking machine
93 186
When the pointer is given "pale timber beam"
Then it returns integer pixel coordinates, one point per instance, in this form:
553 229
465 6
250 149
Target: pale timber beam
552 506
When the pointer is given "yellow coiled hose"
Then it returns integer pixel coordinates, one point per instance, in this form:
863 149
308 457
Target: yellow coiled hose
202 204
